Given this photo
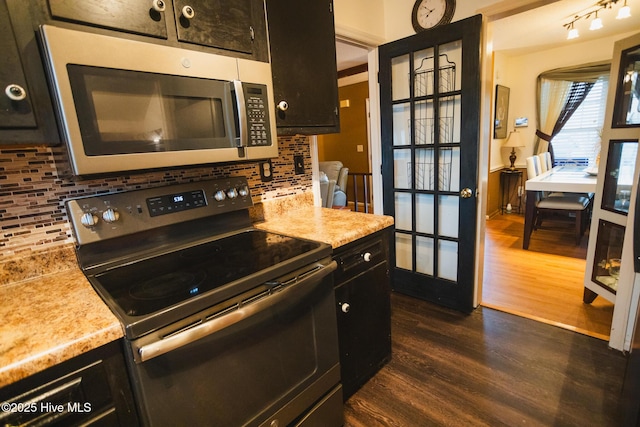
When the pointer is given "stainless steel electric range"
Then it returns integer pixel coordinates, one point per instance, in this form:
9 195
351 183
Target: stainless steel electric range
224 324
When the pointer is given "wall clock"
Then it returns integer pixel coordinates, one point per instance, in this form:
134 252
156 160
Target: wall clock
431 13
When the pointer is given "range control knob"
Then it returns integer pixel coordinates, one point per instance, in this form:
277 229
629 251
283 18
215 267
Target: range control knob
232 193
89 220
110 215
367 256
344 307
219 195
244 191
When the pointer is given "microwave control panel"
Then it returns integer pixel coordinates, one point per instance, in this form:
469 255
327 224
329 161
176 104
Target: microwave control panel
257 105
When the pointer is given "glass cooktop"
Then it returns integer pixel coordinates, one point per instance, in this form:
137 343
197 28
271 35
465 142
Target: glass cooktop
153 284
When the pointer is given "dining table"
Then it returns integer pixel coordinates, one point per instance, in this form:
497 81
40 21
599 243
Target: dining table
564 179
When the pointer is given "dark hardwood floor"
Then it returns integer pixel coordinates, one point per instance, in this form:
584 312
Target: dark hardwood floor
489 368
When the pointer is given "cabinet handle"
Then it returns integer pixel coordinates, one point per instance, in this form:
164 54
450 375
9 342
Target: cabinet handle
344 307
367 256
188 12
283 105
158 5
15 92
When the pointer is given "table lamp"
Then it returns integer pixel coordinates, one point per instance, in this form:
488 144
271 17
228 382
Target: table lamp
514 141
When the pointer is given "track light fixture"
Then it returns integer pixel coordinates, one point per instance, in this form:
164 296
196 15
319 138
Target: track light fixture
596 24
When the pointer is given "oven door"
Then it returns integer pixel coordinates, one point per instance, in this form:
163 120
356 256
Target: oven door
271 359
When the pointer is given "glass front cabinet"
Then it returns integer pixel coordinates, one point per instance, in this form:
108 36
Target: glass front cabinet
609 272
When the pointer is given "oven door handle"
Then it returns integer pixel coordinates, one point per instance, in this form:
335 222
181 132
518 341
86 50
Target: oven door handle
296 291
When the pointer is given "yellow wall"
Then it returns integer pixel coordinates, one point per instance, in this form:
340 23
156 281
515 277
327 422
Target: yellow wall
343 146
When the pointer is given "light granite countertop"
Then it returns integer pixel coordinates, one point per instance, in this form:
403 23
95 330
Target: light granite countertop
50 312
49 319
333 226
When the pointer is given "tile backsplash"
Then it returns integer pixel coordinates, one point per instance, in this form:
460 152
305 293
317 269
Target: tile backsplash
32 194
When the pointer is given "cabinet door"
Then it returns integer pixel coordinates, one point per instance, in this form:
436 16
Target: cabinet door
303 59
26 113
16 110
134 16
364 326
225 24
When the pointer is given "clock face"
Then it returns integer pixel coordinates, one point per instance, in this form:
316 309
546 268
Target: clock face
430 13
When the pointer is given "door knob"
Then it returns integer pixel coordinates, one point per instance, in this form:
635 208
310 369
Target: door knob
466 193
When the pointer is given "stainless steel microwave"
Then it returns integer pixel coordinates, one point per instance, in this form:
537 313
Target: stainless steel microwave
126 105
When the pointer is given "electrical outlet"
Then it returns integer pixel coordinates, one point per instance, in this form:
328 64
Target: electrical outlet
298 164
266 170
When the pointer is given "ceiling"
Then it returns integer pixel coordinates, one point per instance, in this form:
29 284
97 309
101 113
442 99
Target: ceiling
534 30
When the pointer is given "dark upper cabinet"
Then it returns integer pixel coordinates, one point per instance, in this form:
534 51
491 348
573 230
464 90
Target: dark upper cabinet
227 24
230 25
303 59
145 17
26 114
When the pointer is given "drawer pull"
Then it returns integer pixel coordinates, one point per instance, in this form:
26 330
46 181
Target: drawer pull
367 256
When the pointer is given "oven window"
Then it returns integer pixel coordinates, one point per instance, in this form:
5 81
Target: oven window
121 112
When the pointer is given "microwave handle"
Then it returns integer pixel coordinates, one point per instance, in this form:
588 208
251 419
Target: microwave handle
242 114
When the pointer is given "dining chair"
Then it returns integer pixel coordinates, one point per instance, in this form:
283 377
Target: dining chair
558 206
545 161
569 207
533 167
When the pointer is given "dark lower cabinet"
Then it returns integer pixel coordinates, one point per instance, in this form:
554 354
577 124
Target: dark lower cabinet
362 294
303 59
89 390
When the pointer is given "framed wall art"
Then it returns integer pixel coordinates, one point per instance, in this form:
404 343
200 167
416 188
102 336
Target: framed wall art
501 112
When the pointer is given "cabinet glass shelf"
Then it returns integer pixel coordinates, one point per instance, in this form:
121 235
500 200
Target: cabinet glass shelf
606 267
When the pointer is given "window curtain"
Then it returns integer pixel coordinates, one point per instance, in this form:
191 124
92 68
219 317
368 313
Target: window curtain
559 93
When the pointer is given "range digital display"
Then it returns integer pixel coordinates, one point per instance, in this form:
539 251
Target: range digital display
170 203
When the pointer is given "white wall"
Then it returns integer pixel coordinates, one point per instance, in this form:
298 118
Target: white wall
360 20
397 15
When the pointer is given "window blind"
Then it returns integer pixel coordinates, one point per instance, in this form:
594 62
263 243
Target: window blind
579 140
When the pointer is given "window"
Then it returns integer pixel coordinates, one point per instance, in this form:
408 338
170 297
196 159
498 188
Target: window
579 140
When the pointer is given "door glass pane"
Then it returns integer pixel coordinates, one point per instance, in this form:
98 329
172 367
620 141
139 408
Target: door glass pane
450 169
400 77
404 251
424 213
450 114
402 124
424 169
423 80
424 255
448 207
448 260
403 211
402 168
449 64
424 129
